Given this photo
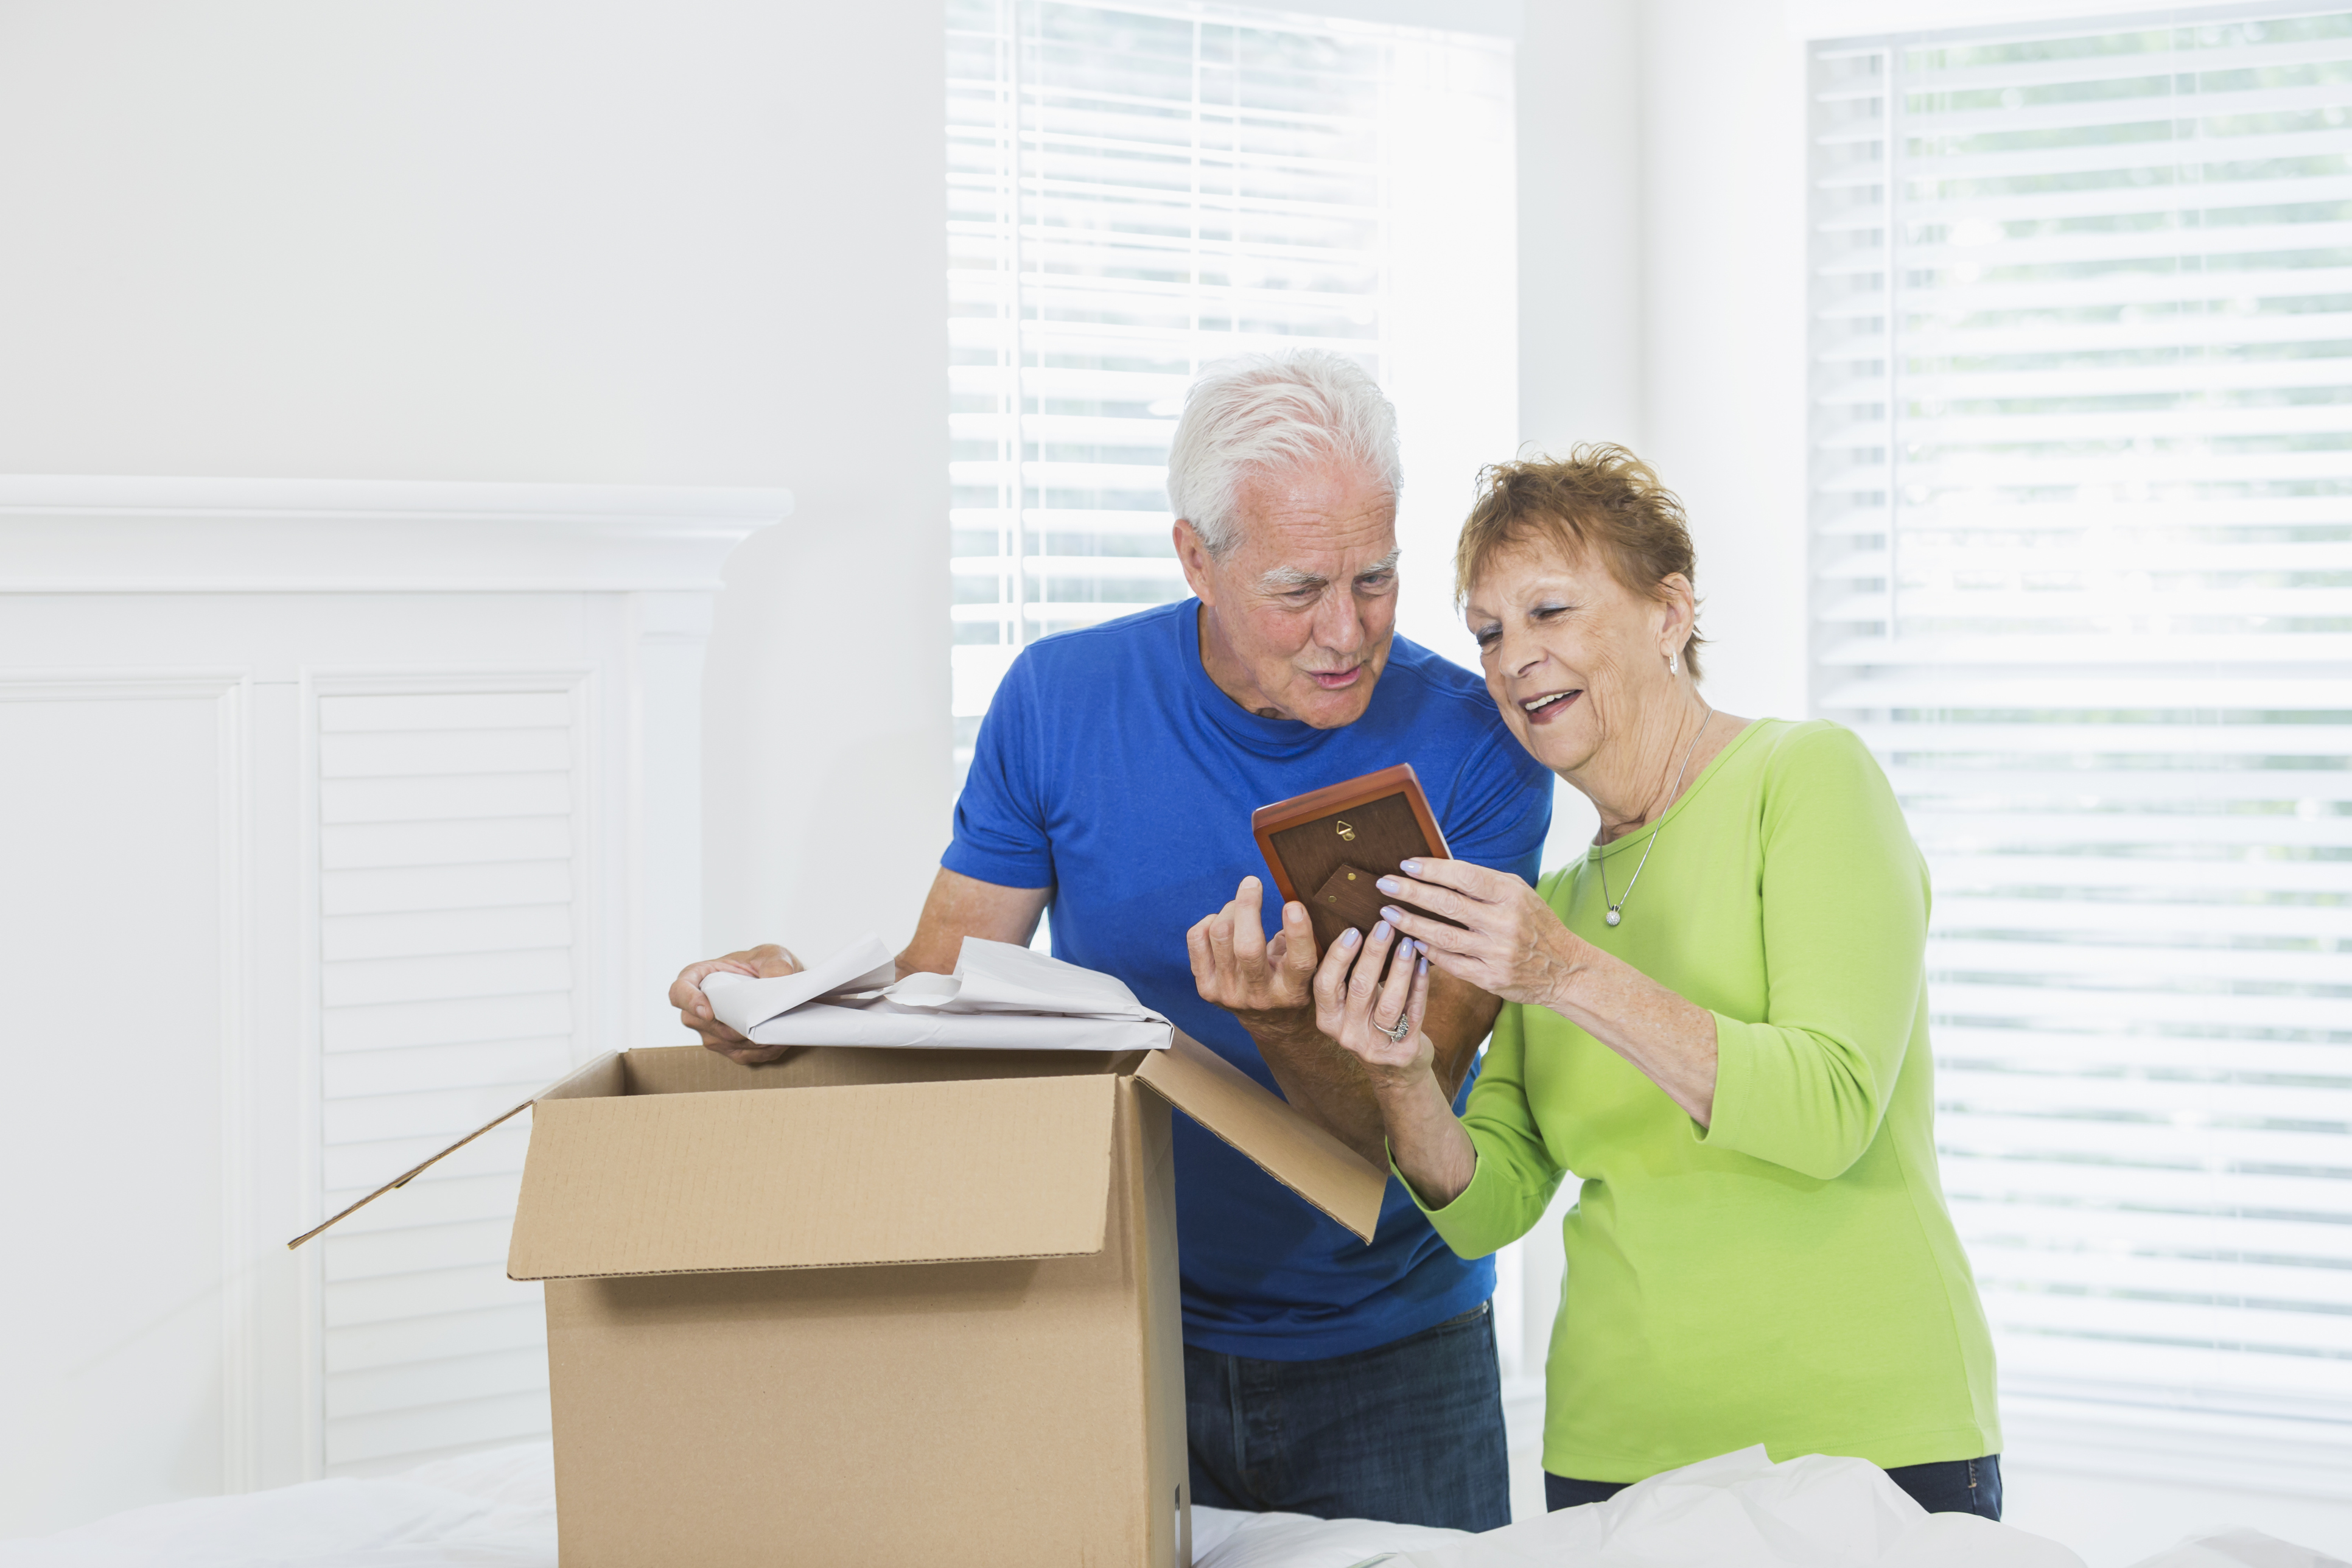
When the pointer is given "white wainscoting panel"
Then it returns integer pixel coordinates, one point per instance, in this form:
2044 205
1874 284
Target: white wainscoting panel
123 805
335 819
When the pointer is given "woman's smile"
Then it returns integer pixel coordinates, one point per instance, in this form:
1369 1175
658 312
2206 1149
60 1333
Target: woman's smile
1550 706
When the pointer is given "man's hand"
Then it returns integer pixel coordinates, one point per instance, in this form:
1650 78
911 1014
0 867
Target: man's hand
694 1007
1266 985
1270 986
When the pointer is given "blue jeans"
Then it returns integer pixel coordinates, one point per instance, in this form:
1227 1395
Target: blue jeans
1947 1486
1410 1432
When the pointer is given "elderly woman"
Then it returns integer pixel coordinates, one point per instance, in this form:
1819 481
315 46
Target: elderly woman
1717 1018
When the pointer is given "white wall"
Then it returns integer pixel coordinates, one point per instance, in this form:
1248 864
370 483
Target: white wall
134 1324
696 243
1450 359
1581 290
1582 277
1661 298
1723 149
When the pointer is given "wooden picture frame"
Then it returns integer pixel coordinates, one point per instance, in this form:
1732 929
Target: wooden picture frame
1329 846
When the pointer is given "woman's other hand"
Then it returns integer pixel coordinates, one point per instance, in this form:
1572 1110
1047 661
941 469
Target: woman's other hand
1357 1007
1508 941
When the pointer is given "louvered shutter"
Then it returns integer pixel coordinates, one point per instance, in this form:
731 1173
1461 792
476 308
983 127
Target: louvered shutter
449 852
2082 538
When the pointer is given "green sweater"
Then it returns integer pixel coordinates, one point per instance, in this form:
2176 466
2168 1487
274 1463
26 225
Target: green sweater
1788 1275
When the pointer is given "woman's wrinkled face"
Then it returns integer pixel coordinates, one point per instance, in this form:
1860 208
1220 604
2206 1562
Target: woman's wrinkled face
1571 655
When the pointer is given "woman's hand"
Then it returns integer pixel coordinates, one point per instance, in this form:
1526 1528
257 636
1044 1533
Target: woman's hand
1512 945
1509 943
1377 1021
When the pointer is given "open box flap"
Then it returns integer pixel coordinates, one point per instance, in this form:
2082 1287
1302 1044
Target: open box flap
816 1178
1284 1144
600 1077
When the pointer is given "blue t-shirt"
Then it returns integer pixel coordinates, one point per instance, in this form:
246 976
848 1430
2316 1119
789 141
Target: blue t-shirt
1112 769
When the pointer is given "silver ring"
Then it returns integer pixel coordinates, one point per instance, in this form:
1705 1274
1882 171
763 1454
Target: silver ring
1397 1035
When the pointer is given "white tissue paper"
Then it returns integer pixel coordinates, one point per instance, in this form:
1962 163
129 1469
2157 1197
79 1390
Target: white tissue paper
1742 1510
1001 997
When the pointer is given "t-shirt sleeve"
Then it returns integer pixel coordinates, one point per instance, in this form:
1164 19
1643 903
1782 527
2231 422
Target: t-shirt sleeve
1845 936
1501 807
1515 1178
1000 816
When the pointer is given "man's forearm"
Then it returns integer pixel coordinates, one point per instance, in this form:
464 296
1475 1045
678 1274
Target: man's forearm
958 906
1323 1082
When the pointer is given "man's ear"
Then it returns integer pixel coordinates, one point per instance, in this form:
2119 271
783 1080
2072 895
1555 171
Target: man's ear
1193 552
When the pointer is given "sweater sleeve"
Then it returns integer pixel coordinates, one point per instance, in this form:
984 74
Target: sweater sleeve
1516 1175
1845 932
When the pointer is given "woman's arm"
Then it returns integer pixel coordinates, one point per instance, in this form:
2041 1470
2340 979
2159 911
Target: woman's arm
1483 1180
1516 948
1845 912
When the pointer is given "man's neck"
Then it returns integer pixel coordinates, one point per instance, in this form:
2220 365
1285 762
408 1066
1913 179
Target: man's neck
1227 673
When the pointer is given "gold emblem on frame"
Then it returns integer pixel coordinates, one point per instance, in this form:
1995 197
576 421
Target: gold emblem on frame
1347 832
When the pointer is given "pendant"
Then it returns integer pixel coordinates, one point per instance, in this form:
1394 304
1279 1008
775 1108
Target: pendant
1613 917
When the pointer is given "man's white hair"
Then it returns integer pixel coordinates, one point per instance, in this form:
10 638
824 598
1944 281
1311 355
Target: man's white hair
1258 413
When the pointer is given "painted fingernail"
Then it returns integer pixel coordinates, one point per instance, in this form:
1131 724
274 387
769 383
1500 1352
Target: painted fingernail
1410 868
1392 914
1380 932
1424 962
1389 885
1348 937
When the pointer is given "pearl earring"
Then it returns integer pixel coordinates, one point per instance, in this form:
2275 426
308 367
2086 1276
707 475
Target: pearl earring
1670 665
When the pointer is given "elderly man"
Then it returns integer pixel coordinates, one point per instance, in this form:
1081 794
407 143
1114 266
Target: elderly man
1113 782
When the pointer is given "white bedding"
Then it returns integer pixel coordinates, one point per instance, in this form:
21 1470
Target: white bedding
1736 1512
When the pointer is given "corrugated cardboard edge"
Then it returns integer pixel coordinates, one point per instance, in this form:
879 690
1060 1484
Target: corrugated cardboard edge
577 1082
644 1187
1283 1143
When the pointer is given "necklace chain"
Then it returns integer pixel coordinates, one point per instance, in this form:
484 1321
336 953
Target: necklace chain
1617 906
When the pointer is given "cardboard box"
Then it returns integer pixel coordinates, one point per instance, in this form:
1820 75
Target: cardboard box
879 1306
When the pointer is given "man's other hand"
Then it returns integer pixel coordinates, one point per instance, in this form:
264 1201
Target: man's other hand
694 1007
1259 982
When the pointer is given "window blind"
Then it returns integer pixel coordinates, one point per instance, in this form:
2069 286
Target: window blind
1134 191
2082 540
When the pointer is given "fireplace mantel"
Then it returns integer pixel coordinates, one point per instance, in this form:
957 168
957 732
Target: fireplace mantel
84 533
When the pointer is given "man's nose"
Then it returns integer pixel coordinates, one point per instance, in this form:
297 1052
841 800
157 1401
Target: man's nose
1338 625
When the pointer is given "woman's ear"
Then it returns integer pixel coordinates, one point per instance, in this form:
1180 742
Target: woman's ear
1679 605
